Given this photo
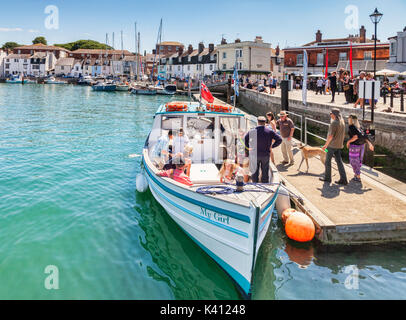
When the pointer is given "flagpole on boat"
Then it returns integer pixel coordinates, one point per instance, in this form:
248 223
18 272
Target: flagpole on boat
235 79
200 93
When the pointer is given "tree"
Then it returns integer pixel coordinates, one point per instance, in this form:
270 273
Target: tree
40 40
83 44
10 45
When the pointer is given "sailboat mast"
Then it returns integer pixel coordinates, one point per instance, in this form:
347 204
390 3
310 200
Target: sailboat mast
159 41
138 53
136 57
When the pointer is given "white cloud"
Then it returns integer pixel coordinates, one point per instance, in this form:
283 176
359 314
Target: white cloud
33 31
10 29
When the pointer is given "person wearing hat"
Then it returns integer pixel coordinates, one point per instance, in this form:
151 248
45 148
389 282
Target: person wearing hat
335 143
287 128
259 142
356 146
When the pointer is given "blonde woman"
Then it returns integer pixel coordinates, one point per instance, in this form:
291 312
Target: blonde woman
356 146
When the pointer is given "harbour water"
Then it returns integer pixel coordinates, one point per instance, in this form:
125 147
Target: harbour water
68 161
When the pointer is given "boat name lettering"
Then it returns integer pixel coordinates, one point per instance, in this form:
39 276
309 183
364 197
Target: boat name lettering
215 216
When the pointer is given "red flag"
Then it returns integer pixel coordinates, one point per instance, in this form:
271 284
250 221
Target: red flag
326 64
352 75
206 94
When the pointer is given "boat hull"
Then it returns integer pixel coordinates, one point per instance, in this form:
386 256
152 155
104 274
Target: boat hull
229 233
144 92
104 88
16 81
122 88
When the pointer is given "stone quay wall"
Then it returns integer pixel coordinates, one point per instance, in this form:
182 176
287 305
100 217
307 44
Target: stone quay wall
390 128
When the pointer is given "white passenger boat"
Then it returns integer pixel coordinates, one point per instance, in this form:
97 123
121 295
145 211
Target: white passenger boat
17 80
230 227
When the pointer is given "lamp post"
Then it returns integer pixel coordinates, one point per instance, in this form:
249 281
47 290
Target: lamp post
376 16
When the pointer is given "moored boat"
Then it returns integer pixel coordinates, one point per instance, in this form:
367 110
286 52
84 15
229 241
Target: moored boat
143 90
17 80
52 80
103 86
229 226
122 87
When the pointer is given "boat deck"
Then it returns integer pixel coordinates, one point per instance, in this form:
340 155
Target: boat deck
371 212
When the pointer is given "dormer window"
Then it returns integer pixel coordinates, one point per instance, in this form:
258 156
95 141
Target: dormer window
200 58
189 58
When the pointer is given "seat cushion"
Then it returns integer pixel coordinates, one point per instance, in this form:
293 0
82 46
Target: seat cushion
204 173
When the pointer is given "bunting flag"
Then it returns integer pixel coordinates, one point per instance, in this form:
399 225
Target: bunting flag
352 74
326 76
304 86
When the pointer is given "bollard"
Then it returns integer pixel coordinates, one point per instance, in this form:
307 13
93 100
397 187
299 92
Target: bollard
391 100
402 106
285 95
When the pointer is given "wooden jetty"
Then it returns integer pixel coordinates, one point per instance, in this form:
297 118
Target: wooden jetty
371 212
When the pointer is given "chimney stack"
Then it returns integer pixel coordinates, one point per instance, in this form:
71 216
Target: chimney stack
190 49
277 50
362 35
318 36
211 47
258 39
180 50
223 41
201 47
237 40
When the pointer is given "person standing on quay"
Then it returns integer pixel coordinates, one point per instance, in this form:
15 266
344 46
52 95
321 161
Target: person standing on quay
333 85
287 128
335 143
319 86
259 142
356 146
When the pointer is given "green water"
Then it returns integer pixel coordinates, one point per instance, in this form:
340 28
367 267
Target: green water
68 199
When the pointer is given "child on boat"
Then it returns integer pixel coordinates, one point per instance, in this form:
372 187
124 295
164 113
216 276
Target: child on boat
177 174
228 171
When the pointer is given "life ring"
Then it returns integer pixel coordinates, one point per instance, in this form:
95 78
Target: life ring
218 108
176 106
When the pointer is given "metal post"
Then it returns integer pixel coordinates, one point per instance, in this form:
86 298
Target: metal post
402 106
391 99
372 102
305 131
373 88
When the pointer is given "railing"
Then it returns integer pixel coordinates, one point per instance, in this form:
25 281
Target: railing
306 132
301 124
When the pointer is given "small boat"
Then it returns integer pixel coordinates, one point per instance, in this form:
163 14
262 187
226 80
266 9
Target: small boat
122 87
52 80
229 226
144 90
17 80
169 89
104 86
86 81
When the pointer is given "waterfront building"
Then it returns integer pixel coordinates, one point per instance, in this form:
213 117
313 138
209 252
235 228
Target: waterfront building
98 53
3 55
277 63
42 63
338 54
196 64
17 64
397 53
77 69
253 57
64 67
168 47
148 62
58 52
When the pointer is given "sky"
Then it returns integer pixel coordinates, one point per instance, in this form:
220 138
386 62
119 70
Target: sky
287 23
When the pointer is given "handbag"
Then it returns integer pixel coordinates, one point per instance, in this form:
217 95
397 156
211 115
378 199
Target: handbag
346 87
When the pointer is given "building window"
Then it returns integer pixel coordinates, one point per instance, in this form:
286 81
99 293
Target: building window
161 48
393 49
320 59
224 66
178 68
62 67
343 56
16 60
188 68
25 66
367 55
211 67
299 59
7 66
224 55
200 58
238 53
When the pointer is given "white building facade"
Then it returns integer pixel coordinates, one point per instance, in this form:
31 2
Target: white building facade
397 52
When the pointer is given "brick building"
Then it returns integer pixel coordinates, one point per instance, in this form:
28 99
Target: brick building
168 47
338 54
39 47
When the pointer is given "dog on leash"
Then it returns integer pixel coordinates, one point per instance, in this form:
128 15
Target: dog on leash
310 152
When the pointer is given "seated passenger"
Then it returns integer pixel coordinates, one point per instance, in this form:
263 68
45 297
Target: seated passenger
177 174
179 142
188 158
228 171
161 151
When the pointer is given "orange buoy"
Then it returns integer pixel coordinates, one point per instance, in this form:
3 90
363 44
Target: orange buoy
286 213
300 227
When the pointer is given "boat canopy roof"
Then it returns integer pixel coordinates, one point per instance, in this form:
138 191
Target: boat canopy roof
194 107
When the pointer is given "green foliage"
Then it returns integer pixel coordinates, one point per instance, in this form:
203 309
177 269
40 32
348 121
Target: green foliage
84 44
10 45
40 40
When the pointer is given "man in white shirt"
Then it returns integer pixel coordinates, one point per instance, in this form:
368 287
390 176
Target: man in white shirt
319 86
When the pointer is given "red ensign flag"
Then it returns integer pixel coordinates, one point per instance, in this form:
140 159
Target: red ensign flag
206 94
